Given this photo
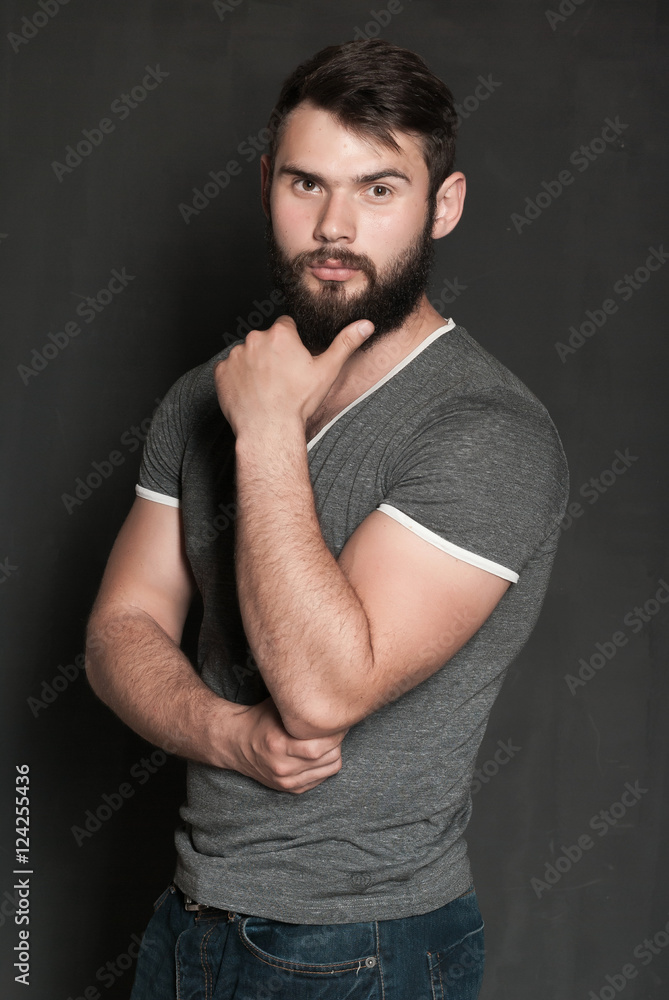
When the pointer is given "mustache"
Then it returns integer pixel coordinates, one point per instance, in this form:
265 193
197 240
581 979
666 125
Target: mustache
315 258
295 267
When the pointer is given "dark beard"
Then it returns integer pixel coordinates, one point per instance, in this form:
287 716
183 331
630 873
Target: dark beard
387 300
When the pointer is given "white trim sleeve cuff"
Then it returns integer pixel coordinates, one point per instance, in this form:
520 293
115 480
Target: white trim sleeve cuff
145 494
454 550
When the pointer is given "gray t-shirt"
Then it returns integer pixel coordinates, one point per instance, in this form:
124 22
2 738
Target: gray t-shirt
456 448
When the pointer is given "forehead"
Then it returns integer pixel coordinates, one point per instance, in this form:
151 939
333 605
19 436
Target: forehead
320 142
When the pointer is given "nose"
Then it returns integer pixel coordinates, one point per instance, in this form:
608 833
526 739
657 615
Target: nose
336 221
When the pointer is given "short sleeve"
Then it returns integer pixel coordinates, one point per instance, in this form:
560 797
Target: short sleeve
486 481
160 469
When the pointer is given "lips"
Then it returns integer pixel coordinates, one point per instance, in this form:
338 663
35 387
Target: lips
333 270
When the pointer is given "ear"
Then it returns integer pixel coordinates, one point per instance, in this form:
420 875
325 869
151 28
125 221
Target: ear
265 182
450 200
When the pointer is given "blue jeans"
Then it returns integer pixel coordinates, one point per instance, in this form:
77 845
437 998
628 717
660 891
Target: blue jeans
219 955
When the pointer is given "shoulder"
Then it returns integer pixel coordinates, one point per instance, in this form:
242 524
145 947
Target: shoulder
193 396
481 425
474 390
189 406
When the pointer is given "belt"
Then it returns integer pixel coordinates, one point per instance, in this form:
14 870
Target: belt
191 904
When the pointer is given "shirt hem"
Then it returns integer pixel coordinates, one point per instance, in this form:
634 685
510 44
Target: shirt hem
337 912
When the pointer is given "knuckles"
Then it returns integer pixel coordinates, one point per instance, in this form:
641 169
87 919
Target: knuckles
282 330
285 321
253 339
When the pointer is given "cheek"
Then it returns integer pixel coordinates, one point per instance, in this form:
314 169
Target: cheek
385 236
291 221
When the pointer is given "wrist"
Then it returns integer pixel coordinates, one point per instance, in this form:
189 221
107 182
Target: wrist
221 733
279 435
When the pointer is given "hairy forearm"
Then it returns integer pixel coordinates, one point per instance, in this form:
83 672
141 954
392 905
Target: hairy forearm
142 675
304 622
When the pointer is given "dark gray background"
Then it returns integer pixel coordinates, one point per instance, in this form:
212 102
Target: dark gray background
521 292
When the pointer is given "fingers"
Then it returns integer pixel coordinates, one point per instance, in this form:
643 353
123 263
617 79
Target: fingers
302 782
283 762
293 773
313 750
346 342
286 320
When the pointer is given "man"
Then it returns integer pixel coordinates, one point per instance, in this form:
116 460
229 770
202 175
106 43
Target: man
371 522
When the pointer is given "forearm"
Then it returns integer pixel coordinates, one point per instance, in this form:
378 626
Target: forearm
304 622
142 675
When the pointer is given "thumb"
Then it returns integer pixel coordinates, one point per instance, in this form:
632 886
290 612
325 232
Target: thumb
347 341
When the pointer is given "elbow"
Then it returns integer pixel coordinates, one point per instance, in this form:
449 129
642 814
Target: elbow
97 644
90 667
314 721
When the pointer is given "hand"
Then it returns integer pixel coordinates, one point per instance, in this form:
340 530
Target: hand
272 379
264 750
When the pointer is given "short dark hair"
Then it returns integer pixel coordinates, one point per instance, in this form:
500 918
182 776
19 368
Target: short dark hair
375 88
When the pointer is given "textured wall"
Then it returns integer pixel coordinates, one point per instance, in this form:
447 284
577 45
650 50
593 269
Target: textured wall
118 277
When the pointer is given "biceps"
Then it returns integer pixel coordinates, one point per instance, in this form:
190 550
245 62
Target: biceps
421 603
148 568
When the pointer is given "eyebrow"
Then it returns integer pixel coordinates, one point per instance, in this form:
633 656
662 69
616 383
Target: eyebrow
294 170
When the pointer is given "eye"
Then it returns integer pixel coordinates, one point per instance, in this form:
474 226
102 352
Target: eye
310 185
379 191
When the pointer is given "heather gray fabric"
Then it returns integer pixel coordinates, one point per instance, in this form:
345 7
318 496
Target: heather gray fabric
452 442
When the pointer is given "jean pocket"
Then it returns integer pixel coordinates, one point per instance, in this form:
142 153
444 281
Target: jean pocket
456 973
163 896
309 961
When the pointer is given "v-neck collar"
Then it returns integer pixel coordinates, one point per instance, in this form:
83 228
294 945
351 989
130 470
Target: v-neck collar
449 325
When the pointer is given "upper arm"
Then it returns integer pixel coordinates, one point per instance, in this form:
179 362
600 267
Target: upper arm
148 569
465 507
422 605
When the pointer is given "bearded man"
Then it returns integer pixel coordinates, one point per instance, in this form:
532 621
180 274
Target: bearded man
369 505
